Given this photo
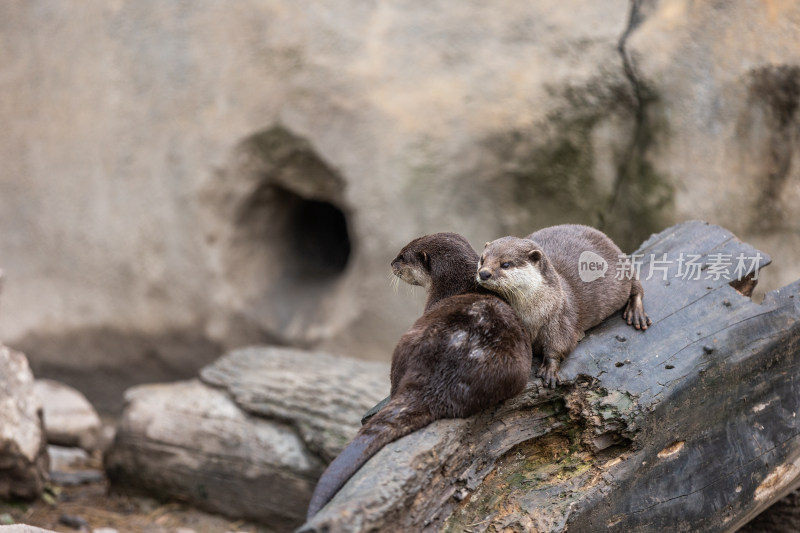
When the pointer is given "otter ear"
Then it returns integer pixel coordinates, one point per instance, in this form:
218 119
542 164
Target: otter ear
535 255
424 259
487 244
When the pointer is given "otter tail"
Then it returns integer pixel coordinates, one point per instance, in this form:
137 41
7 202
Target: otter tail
395 420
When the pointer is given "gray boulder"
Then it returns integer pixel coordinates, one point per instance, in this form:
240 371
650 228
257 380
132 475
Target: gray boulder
69 418
23 451
22 528
250 438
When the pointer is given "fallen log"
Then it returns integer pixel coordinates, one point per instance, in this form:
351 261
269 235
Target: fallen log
689 426
249 438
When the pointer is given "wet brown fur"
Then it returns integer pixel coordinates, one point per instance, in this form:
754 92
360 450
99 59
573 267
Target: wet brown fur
443 263
555 304
468 351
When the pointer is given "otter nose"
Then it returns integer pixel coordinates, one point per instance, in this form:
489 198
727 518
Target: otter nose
485 274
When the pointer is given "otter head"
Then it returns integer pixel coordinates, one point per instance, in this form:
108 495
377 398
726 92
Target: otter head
443 263
513 268
413 265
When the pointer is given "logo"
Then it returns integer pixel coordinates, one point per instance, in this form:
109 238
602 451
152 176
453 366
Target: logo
591 266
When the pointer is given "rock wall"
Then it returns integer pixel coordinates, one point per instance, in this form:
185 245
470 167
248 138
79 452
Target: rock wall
722 86
184 178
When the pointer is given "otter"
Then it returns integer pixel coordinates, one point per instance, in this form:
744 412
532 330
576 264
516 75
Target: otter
468 351
443 264
539 276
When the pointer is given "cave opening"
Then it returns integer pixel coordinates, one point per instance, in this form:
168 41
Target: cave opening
317 238
287 257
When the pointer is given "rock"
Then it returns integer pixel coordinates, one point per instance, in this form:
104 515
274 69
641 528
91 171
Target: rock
21 528
68 459
323 396
73 521
69 418
81 477
251 439
73 466
190 441
23 454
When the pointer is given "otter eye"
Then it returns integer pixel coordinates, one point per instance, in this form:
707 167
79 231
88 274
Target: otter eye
505 265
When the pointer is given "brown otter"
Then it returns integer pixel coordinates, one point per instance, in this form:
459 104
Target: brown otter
443 264
540 277
468 351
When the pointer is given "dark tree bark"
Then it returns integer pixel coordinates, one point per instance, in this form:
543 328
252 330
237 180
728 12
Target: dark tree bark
782 517
689 426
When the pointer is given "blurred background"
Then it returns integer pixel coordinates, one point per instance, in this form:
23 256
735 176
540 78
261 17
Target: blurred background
182 178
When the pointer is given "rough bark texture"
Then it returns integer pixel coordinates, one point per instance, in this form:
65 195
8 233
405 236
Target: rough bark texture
190 442
320 395
251 441
689 426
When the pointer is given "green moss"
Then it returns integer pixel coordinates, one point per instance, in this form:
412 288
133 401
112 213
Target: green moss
556 467
550 171
612 405
555 177
538 464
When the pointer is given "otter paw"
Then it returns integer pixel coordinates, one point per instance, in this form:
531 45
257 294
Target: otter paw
635 316
549 373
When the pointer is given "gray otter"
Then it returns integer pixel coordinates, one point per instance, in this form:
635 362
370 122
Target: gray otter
468 351
539 277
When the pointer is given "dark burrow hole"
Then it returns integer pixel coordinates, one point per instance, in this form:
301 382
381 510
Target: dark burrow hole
317 237
289 253
309 238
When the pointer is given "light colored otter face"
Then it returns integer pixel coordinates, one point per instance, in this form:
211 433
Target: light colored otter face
410 266
511 267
